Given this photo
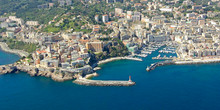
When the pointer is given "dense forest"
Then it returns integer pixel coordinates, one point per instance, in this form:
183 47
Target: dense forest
28 10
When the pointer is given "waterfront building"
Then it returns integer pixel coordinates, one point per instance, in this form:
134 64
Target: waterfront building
157 38
95 46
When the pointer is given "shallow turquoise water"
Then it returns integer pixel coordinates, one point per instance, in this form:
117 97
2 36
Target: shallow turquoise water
174 87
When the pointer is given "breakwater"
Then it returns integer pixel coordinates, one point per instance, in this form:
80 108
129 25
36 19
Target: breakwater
118 58
154 65
178 62
5 48
88 82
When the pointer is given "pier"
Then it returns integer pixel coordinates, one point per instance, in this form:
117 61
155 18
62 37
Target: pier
88 82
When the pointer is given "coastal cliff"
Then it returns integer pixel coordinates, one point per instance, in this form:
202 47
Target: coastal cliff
60 76
33 71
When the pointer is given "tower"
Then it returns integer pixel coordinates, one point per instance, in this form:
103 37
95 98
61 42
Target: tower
130 79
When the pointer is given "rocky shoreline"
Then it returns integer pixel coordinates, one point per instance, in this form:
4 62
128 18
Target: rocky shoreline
5 48
60 76
33 71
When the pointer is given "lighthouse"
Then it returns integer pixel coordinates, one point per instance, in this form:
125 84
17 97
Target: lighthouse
130 79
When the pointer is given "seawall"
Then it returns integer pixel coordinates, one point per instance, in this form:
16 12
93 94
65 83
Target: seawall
5 48
197 62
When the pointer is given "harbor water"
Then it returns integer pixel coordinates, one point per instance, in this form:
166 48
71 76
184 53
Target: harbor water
172 87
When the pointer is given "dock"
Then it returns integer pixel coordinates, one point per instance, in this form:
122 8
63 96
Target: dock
88 82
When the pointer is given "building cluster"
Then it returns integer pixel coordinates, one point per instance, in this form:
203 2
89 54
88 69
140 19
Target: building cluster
68 56
198 38
136 27
152 22
15 26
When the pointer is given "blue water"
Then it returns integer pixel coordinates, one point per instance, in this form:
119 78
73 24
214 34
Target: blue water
174 87
7 58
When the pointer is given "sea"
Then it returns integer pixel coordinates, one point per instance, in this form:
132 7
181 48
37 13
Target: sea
171 87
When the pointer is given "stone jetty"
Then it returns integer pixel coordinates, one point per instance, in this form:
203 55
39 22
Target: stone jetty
88 82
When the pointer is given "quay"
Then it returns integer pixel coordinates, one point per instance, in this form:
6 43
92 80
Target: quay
182 62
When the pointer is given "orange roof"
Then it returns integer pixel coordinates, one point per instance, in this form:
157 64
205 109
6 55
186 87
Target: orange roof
108 23
96 30
79 58
83 41
137 4
42 51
